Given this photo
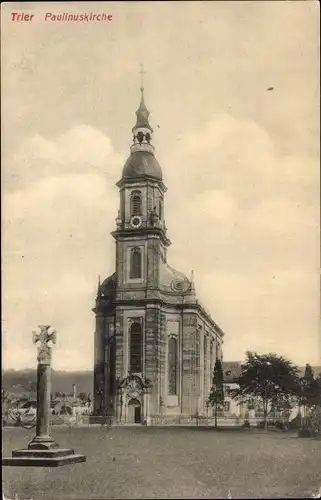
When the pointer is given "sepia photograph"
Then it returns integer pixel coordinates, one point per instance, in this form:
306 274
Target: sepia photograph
160 186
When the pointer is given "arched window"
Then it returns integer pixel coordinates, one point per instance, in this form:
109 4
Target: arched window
205 366
172 366
160 209
136 342
136 203
135 263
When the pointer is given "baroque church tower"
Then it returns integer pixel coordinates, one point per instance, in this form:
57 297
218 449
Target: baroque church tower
155 345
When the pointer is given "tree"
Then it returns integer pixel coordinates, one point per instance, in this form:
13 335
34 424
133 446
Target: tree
272 380
310 393
32 386
83 396
6 400
216 396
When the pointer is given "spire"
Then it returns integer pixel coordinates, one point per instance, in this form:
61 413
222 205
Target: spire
142 73
142 114
142 106
142 131
98 287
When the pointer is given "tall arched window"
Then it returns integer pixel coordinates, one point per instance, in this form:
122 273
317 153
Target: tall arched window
136 342
205 366
135 263
172 366
211 358
136 203
160 209
197 353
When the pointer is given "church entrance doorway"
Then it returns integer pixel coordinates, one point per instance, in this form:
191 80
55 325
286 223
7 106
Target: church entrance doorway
138 417
135 411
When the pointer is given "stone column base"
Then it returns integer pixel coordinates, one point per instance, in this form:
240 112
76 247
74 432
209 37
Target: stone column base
43 458
43 443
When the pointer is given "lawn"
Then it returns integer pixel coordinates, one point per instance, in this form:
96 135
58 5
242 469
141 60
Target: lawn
177 462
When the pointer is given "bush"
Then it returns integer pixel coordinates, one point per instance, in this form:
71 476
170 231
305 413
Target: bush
295 423
261 425
279 424
316 420
306 433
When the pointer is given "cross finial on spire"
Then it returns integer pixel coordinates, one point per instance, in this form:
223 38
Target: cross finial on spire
142 73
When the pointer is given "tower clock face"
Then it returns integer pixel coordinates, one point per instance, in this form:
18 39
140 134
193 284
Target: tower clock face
136 221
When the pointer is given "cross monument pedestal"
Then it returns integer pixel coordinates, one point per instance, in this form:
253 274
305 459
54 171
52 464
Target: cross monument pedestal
43 451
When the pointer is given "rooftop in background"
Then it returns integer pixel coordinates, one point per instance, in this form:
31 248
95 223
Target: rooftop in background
231 370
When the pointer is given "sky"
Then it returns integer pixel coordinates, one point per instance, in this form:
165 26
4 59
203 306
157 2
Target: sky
241 164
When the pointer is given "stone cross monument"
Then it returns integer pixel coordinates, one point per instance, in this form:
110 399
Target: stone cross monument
43 341
43 451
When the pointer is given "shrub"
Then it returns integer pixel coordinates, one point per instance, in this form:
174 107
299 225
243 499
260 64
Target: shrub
260 424
316 420
295 423
306 433
279 424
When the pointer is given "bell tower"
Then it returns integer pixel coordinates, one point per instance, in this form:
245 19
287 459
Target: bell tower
140 234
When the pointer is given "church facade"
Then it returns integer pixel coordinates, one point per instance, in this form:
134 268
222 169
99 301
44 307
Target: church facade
155 345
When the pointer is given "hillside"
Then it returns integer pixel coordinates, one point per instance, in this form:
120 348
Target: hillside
18 381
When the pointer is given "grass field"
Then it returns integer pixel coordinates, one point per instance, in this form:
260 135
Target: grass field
179 462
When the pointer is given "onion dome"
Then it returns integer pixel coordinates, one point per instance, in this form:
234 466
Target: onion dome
142 163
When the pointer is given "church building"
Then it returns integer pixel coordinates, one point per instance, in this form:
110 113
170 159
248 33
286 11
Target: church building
155 345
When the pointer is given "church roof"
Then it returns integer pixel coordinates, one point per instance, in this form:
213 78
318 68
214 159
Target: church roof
173 280
140 164
231 370
108 286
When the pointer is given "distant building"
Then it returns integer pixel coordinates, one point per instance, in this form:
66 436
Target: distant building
27 396
231 372
155 345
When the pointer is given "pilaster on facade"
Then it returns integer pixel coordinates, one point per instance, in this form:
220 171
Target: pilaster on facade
151 364
202 397
120 345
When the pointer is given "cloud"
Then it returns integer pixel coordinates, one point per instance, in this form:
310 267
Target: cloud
241 198
242 215
82 149
56 240
248 224
238 157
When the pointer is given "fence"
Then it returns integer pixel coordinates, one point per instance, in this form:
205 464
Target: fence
228 421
